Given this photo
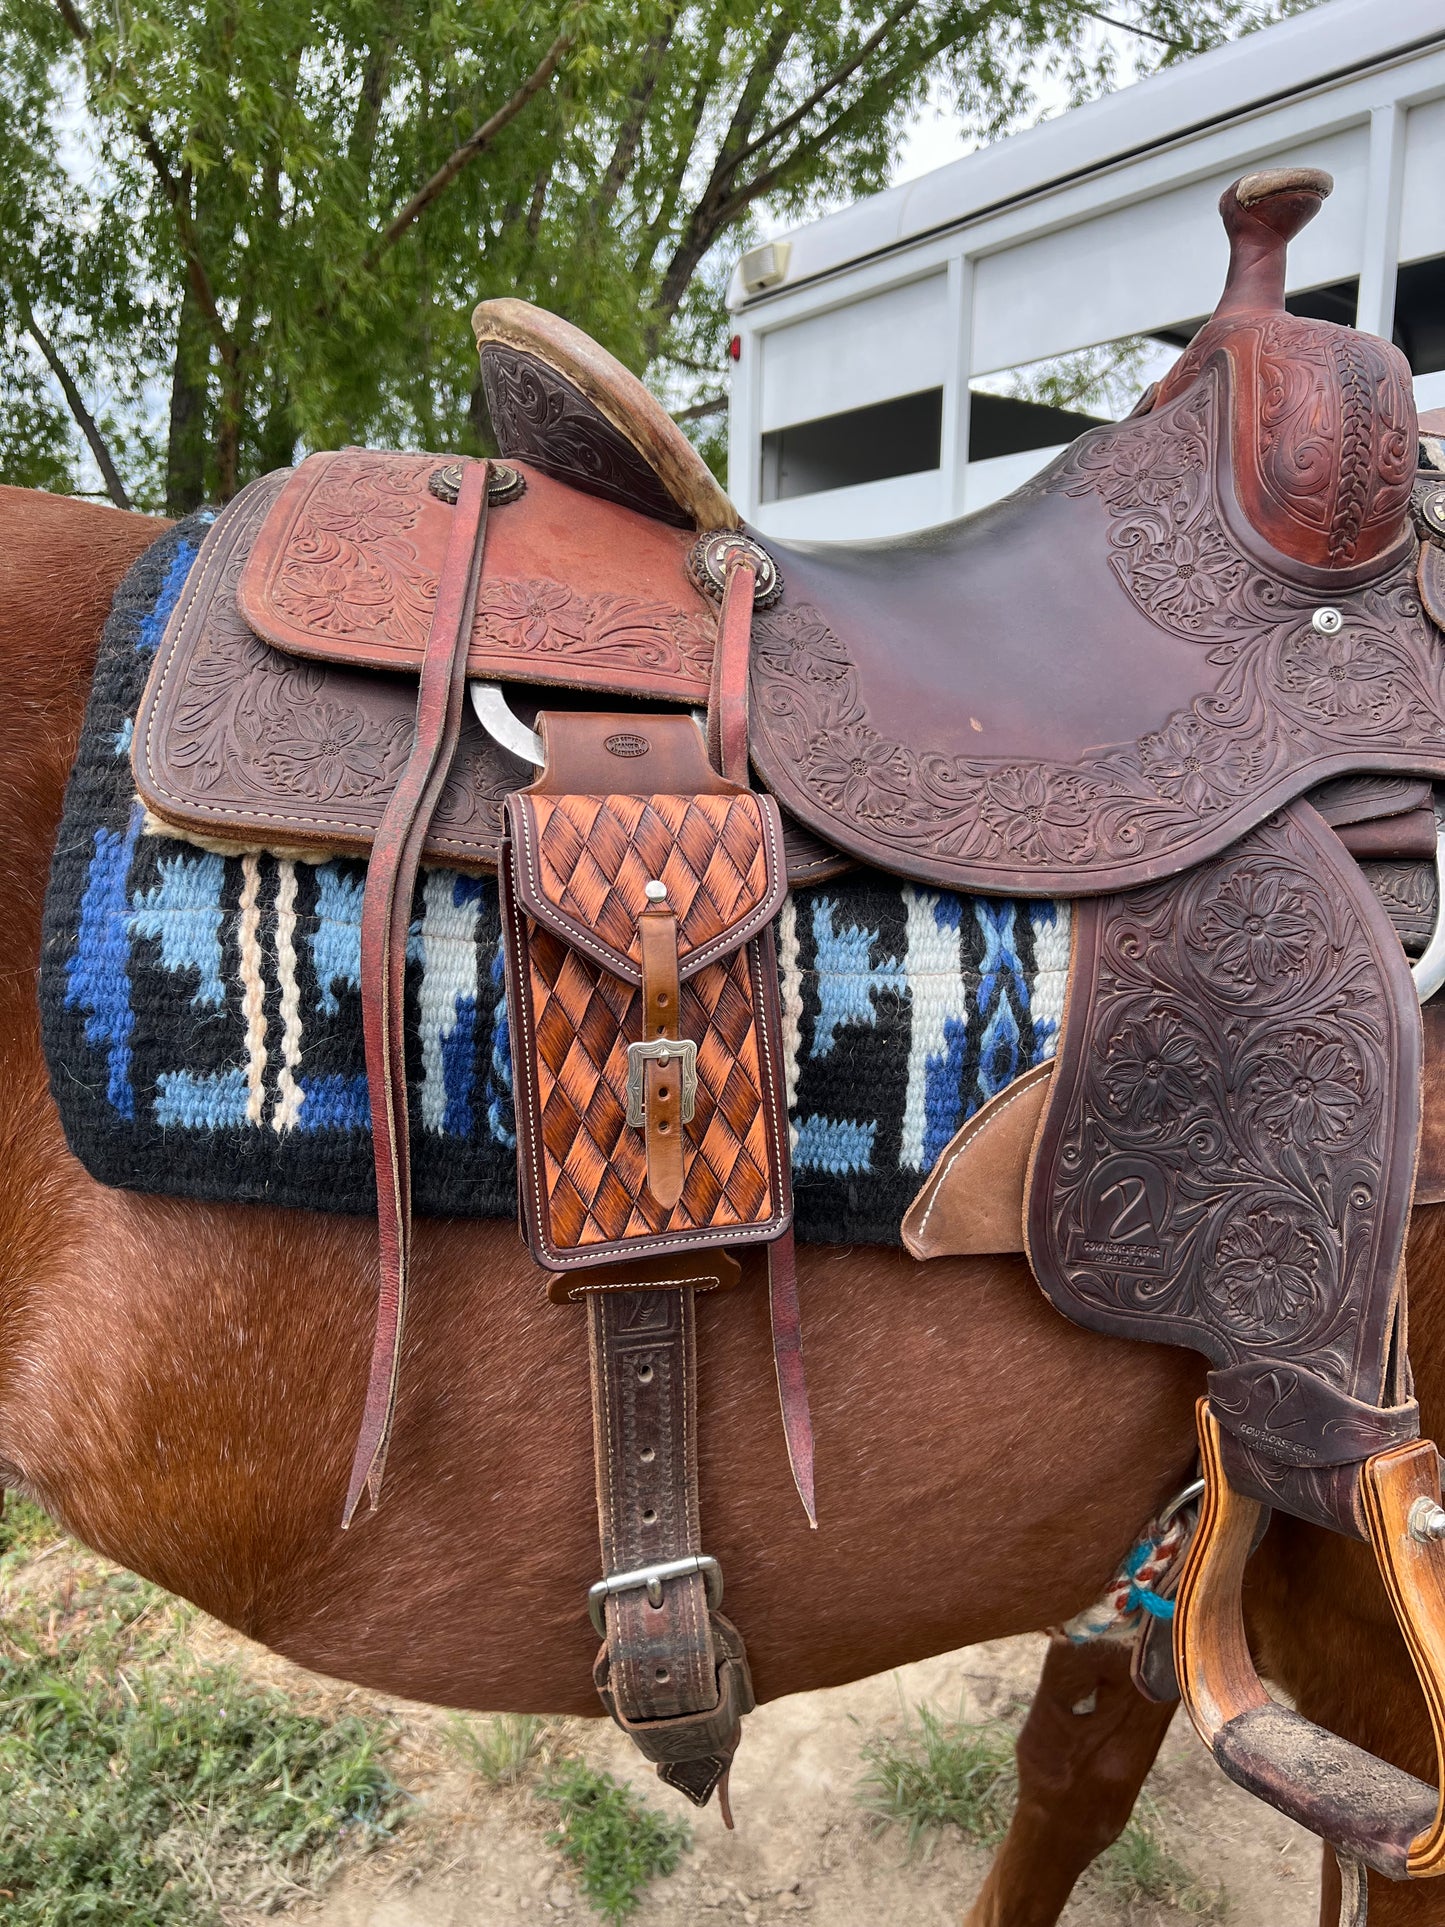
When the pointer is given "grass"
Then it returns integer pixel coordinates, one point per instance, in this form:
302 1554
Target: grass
24 1528
1140 1867
950 1773
940 1773
615 1845
500 1750
138 1784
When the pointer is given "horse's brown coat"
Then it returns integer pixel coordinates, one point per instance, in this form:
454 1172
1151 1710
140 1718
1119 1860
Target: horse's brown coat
181 1384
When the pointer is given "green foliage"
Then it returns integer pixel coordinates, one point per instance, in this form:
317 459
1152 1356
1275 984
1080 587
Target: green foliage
237 232
1140 1867
615 1844
501 1749
950 1773
941 1773
139 1785
1105 381
24 1528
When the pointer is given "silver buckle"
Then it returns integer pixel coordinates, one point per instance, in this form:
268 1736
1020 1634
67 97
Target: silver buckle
650 1579
660 1050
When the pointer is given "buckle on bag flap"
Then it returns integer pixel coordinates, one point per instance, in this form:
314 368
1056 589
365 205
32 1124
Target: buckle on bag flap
660 1050
649 1579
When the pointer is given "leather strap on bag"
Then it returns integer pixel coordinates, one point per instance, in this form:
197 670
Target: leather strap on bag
662 1082
672 1671
385 922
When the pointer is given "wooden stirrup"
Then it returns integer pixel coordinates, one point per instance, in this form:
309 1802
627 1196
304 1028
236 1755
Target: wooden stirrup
1368 1810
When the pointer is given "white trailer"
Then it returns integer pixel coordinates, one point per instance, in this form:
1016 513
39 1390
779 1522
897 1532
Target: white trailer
882 352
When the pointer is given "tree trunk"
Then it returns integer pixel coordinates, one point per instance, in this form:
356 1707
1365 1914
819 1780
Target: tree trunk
278 436
186 443
228 431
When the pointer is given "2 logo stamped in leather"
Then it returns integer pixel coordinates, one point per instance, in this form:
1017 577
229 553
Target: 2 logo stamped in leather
1126 1200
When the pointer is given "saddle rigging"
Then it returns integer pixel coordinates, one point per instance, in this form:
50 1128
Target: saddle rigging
1178 678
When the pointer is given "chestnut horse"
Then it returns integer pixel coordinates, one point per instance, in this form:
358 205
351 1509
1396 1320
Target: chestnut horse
181 1385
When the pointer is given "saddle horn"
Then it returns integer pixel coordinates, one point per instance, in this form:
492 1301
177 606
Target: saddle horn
1262 213
1321 418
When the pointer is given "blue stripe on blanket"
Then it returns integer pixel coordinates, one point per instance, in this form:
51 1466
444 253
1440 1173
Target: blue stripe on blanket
202 1013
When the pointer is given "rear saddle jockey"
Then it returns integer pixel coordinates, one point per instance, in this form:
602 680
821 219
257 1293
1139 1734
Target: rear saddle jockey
1118 686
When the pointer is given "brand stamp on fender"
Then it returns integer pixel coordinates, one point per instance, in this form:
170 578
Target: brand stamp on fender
626 745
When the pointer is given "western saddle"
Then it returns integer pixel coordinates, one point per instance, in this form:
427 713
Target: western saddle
1179 677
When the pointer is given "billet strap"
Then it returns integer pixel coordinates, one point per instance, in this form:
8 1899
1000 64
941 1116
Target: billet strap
385 923
672 1671
727 703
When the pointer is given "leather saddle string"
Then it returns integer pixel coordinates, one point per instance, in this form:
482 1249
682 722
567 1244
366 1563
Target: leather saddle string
385 924
727 743
727 702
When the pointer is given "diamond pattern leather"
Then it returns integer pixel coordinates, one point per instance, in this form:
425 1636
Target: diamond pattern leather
574 977
595 1164
583 864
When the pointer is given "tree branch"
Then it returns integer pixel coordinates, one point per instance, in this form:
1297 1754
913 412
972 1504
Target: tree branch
717 209
696 411
1129 26
821 92
73 19
475 143
178 200
672 185
686 255
85 421
624 151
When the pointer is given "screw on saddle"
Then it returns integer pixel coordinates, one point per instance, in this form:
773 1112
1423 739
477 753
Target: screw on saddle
1117 686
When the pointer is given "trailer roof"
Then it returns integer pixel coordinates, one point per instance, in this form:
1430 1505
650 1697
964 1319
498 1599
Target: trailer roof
1312 50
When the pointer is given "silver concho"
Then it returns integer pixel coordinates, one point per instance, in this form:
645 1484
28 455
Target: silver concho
504 483
709 557
1430 510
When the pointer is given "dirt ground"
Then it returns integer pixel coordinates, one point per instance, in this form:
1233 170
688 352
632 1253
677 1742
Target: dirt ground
474 1857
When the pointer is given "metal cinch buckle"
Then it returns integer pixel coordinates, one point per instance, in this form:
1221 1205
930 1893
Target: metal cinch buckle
661 1050
650 1579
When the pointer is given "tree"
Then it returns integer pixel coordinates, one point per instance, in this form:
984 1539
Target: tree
234 231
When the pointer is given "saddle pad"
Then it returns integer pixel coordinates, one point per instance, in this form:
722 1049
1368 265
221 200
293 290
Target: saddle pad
201 1013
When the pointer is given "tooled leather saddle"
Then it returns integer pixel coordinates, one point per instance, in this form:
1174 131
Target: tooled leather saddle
1120 686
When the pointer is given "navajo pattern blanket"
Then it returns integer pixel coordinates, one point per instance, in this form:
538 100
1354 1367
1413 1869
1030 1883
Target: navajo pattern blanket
202 1024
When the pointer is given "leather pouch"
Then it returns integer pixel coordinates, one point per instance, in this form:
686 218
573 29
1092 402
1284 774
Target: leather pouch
575 890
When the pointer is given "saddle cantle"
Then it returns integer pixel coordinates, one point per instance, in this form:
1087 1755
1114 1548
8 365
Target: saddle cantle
1189 618
1118 685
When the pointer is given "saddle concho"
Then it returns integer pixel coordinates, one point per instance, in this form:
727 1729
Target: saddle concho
1223 1156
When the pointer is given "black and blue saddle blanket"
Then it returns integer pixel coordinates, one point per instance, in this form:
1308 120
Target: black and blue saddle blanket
202 1012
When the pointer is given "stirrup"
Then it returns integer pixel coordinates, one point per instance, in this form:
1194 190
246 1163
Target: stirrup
1366 1809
